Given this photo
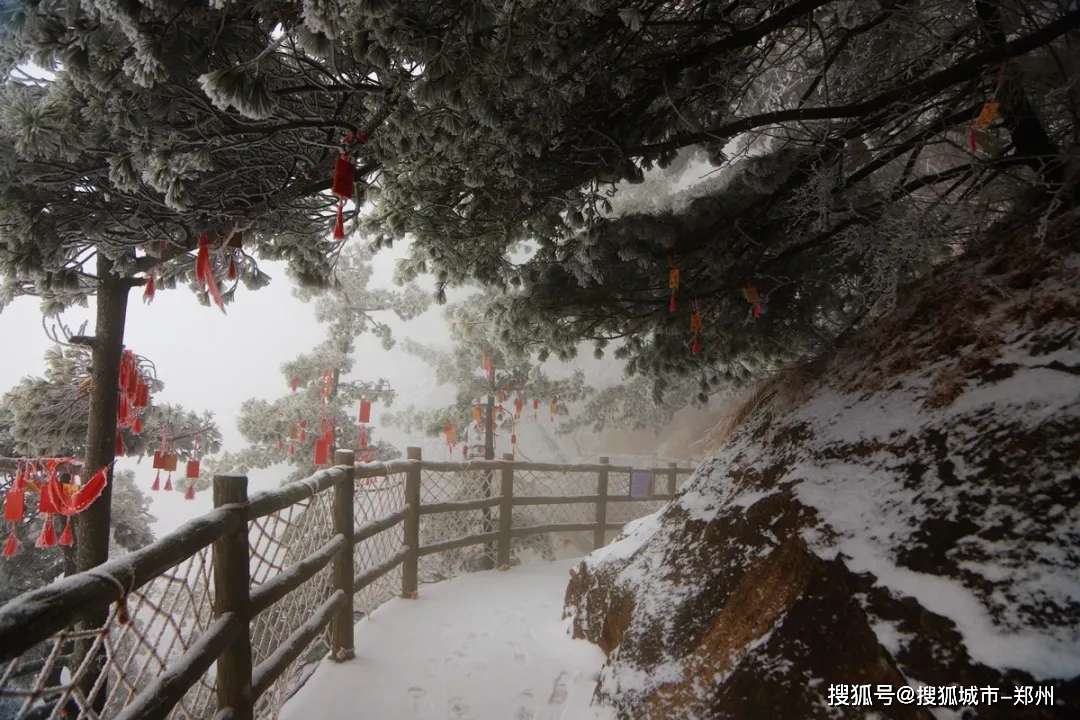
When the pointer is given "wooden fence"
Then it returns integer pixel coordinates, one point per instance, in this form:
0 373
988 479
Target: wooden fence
36 634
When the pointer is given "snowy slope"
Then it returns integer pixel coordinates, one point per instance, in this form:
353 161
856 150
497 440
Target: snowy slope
906 514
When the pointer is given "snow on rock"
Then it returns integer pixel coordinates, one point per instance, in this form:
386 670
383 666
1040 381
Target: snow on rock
483 646
906 514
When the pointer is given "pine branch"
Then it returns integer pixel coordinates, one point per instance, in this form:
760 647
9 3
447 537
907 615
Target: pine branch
913 92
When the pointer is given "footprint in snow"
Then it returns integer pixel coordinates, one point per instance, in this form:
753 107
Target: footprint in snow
528 703
459 709
519 652
559 692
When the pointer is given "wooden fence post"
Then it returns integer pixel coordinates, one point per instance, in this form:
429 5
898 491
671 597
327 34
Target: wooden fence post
410 569
232 581
672 478
342 624
506 510
601 505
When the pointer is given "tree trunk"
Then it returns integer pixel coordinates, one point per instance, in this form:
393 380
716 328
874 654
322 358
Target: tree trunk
346 346
489 430
488 561
94 524
329 399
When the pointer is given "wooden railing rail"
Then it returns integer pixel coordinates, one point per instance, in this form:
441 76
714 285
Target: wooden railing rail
468 465
38 615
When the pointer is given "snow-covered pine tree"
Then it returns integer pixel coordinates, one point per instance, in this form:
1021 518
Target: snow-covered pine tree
47 416
284 431
853 156
632 405
492 393
350 308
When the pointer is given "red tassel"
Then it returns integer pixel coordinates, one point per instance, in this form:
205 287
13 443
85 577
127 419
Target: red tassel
231 273
190 493
157 482
294 383
292 449
339 226
513 438
695 347
48 533
971 141
66 537
119 443
11 547
303 435
168 483
280 444
136 427
363 437
671 305
465 451
148 291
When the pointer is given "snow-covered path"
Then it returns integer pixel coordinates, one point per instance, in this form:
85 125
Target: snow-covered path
485 646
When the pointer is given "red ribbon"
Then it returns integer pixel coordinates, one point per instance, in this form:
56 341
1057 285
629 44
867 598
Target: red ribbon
148 292
54 498
204 273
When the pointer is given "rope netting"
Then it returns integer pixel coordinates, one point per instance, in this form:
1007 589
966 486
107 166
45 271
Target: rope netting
94 673
440 487
546 483
276 541
375 498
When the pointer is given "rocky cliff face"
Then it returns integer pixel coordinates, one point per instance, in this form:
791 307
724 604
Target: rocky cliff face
904 514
